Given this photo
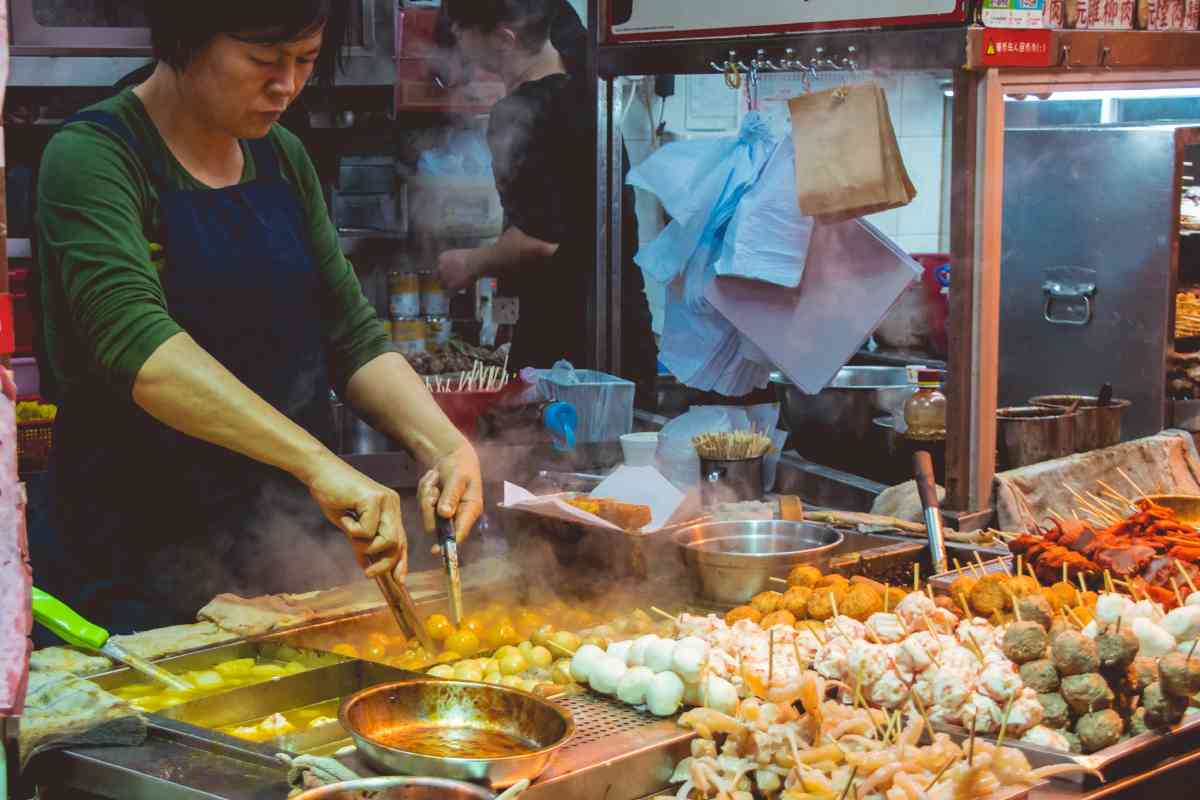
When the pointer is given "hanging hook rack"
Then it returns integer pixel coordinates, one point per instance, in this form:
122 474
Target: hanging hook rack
735 67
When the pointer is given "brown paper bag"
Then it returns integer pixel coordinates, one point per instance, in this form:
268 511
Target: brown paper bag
847 161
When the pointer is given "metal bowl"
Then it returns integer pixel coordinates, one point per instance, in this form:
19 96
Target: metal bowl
463 709
399 789
730 562
835 427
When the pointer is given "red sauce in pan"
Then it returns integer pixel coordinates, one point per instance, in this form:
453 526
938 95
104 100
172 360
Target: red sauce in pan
450 742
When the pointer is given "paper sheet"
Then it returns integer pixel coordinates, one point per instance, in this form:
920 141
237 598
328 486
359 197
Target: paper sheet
636 485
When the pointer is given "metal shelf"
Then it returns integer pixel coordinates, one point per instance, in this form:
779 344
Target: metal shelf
892 49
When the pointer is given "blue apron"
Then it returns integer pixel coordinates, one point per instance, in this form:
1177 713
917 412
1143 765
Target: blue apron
153 522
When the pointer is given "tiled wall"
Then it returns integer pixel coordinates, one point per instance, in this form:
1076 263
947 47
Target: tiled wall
703 106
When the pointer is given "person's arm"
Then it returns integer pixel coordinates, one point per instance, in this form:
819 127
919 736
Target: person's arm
515 249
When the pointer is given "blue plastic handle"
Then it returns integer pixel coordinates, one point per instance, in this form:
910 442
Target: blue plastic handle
561 419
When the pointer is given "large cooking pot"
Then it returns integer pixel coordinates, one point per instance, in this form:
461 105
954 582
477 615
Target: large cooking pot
1032 434
1096 426
835 427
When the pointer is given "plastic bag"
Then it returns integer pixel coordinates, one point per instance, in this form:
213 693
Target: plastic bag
768 238
464 155
677 455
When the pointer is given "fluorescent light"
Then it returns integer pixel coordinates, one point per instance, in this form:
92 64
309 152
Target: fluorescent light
1123 94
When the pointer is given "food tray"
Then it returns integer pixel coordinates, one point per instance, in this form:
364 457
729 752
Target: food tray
1122 760
1001 565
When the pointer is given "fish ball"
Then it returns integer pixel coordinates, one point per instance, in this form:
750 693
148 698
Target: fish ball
621 650
719 695
637 653
659 655
1153 640
584 661
1183 623
688 659
633 685
665 694
607 673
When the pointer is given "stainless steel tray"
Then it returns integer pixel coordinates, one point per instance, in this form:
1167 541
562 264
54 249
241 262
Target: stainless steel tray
991 566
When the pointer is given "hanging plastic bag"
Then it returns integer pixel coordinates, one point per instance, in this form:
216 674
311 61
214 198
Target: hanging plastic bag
768 238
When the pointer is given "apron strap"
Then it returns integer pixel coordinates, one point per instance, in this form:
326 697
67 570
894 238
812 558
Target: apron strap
113 124
266 160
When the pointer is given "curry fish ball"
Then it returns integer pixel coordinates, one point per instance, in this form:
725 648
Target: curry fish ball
743 612
565 640
1162 710
1074 654
542 634
633 685
1142 672
560 672
832 579
962 585
664 694
892 595
1023 585
659 655
767 602
1179 675
1055 711
1040 675
468 671
1087 693
513 664
1035 608
540 657
821 604
463 642
780 617
804 575
989 595
1024 641
1066 592
1117 649
441 671
1099 730
1055 603
795 600
861 602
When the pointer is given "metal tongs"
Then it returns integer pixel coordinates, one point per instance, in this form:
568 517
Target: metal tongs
927 487
404 609
446 540
75 630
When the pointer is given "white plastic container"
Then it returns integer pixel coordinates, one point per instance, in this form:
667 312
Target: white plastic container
639 449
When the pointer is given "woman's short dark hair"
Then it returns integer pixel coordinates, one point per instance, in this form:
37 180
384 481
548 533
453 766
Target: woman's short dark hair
180 31
531 20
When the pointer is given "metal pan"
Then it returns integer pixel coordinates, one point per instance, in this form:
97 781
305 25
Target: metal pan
381 718
400 789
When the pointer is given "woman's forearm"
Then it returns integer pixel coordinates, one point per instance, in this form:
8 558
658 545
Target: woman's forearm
514 249
184 387
392 398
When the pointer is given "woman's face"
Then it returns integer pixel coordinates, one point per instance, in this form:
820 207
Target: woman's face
243 88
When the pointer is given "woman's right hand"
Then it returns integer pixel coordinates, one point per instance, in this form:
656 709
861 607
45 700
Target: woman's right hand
366 511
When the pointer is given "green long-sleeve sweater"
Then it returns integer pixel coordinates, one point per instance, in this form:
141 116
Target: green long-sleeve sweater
104 310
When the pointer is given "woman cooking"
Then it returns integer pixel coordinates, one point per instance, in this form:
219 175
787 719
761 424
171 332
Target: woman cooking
196 311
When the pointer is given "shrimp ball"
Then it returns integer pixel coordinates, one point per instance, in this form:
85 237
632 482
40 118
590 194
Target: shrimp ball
664 694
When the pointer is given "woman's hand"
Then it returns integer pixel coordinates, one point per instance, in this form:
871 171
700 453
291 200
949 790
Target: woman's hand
453 489
455 269
367 512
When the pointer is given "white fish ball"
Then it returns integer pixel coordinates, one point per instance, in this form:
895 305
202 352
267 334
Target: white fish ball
632 687
607 673
659 655
637 653
584 661
665 694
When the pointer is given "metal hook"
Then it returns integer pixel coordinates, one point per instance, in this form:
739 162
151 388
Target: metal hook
1064 57
1104 54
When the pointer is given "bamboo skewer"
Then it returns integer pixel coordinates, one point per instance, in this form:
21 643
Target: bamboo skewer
732 445
566 650
773 579
662 613
1175 587
1141 495
1186 575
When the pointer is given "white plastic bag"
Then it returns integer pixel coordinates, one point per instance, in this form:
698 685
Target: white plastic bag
768 238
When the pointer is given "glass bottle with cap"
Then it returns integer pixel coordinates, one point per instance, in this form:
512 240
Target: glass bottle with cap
925 411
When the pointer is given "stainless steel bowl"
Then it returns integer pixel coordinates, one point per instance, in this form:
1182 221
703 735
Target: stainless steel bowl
835 427
399 789
386 712
730 562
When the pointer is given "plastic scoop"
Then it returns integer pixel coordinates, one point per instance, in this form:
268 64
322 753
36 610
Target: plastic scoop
75 630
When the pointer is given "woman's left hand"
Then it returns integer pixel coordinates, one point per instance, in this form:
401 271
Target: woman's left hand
453 489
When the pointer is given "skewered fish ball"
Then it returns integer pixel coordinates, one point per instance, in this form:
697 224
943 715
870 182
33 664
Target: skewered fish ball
1074 654
631 689
1059 625
1066 592
659 655
1162 710
1087 693
832 579
1056 712
664 694
862 601
637 653
607 673
1141 673
1035 608
1117 649
1055 602
743 612
1179 675
892 595
767 602
688 657
584 661
1040 675
1099 730
820 605
1025 641
780 617
795 600
804 575
1023 585
949 605
990 595
1153 639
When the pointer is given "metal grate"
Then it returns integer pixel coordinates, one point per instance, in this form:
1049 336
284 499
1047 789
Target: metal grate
597 718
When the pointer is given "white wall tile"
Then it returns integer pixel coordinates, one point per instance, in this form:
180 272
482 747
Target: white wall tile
888 222
922 105
923 159
918 243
